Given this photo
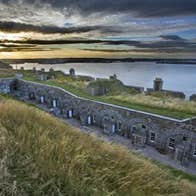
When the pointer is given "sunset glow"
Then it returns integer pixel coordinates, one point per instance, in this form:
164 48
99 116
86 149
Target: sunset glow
35 29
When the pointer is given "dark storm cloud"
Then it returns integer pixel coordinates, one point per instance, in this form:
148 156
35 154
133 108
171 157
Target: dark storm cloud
13 27
147 8
78 41
172 37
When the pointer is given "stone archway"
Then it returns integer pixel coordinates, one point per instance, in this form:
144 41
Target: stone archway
14 86
138 131
31 95
110 121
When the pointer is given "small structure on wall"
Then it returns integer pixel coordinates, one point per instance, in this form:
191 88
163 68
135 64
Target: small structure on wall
114 77
42 70
72 73
51 74
42 76
193 97
158 84
96 90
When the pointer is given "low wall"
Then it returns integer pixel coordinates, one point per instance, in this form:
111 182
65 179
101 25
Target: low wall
138 89
175 94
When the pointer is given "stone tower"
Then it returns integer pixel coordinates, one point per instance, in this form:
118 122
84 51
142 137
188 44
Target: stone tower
158 84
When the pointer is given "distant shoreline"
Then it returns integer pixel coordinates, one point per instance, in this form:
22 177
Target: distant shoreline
98 60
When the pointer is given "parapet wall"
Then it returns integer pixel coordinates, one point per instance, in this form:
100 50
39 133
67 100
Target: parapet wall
168 135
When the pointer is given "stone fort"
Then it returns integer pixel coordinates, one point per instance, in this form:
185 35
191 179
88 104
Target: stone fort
174 137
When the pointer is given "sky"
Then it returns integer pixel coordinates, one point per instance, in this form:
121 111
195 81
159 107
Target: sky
97 28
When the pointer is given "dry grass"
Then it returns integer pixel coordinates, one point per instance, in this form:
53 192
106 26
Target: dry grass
41 155
158 102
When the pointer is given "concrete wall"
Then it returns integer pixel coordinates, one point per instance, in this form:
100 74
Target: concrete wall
140 127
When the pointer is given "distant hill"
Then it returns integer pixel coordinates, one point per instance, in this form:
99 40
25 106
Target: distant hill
99 60
5 65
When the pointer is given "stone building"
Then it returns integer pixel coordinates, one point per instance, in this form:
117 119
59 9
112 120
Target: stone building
158 87
96 90
158 84
174 137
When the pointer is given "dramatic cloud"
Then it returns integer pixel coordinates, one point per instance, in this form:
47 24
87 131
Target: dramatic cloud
108 26
149 8
20 27
172 37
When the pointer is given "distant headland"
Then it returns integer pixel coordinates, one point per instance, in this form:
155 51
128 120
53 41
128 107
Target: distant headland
98 60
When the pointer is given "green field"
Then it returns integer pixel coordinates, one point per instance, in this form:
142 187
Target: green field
40 155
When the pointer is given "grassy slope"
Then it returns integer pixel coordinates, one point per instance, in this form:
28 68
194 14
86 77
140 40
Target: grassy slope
164 106
40 155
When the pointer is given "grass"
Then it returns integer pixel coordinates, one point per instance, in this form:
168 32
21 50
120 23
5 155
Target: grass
166 106
40 155
122 96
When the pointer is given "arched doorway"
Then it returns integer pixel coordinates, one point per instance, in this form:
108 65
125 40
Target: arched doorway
42 99
54 103
89 120
32 96
70 113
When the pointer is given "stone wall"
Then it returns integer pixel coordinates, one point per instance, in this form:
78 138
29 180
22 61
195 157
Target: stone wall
5 85
138 89
174 137
175 94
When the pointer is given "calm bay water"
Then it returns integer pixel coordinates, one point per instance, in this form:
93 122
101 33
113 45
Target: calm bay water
179 77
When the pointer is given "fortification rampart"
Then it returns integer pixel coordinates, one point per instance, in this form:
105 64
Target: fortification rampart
174 137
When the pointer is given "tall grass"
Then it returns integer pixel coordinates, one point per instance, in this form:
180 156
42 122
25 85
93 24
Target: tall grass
180 108
40 155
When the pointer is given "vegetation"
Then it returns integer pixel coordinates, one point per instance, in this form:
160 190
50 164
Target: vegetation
113 86
120 95
40 155
4 73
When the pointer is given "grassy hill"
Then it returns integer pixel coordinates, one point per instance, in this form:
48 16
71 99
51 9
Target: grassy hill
40 155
